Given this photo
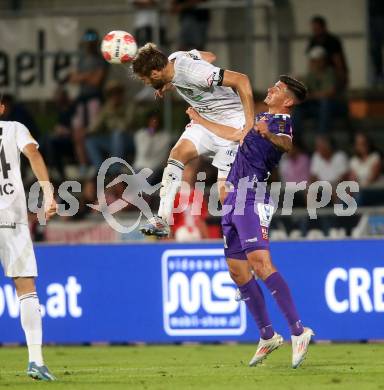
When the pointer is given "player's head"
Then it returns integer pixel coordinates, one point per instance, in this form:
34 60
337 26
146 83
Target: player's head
318 25
90 41
153 119
286 93
150 66
324 146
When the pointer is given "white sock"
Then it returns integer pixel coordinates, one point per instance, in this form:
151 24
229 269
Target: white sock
170 185
31 322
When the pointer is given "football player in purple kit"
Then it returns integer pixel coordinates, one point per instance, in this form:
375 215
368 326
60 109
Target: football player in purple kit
246 232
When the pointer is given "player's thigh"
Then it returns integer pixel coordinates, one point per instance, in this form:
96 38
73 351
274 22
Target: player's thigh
184 151
225 153
16 252
236 257
200 137
261 262
223 187
252 225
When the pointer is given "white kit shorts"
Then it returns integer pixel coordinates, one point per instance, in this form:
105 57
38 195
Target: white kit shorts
16 251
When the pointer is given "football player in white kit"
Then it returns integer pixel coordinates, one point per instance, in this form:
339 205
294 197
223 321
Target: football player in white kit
16 250
219 95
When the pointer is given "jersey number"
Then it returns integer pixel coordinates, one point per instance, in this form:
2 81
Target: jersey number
4 165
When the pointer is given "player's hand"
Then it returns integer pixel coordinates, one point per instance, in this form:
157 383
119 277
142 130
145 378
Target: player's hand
243 134
193 115
50 205
159 93
50 209
262 128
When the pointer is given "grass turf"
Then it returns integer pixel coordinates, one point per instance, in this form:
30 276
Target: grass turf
335 366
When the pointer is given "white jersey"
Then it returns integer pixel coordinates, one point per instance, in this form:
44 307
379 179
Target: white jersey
199 84
13 138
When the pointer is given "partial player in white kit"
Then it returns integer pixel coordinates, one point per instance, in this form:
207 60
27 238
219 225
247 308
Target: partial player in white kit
16 250
219 95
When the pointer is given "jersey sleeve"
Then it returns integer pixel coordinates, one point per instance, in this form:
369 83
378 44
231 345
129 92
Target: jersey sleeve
24 137
200 74
194 54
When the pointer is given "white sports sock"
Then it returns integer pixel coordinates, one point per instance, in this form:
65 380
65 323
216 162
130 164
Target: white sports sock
31 322
170 185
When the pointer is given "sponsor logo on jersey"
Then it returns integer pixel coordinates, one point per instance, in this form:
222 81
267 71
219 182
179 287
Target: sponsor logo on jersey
198 294
193 56
7 225
216 78
253 239
264 233
281 127
231 152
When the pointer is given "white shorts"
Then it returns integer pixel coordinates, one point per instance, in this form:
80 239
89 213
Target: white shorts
16 251
222 150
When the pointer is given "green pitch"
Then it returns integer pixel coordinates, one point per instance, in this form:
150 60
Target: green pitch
342 366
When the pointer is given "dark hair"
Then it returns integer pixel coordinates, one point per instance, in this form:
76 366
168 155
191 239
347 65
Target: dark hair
295 86
149 58
368 140
90 35
319 20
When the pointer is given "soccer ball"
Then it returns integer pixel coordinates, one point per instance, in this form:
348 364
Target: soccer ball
118 47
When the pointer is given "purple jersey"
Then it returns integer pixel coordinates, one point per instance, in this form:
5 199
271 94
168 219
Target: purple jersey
257 156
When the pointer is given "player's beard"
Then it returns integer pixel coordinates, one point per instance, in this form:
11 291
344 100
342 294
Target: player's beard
158 84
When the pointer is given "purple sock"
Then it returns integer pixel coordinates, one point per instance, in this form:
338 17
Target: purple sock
280 291
254 299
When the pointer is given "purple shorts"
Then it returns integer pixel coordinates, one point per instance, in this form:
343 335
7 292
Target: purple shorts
245 229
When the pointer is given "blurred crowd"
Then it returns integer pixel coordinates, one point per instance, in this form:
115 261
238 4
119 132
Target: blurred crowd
101 122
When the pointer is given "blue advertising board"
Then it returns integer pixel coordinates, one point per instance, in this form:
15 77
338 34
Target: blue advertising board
166 292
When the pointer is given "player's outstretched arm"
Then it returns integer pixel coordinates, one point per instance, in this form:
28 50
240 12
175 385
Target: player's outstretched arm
241 83
222 131
41 172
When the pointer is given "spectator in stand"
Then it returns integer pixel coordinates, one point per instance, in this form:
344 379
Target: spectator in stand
59 143
90 75
147 19
191 208
15 111
294 168
334 49
365 165
194 23
152 146
327 164
108 135
324 101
